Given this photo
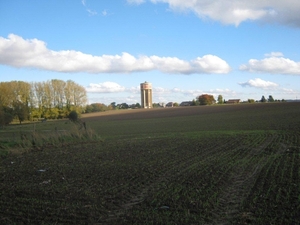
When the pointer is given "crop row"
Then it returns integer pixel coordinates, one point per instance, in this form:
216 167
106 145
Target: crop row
215 188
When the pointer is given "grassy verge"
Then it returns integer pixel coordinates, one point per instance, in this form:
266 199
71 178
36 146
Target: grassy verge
33 136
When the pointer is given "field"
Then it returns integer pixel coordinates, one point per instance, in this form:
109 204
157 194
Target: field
231 164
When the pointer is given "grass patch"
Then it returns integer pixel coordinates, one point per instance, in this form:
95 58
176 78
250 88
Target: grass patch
32 136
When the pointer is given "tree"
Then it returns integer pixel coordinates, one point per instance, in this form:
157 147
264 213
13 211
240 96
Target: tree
13 91
270 99
38 89
5 94
57 89
75 96
206 99
89 109
251 100
123 106
20 110
220 99
113 105
8 118
263 99
5 117
50 99
95 107
195 102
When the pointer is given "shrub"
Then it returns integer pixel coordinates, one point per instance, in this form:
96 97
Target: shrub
73 116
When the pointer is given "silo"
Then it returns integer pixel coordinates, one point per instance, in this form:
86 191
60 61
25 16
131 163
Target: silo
146 95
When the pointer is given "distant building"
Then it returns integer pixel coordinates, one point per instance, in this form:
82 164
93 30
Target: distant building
170 104
292 100
233 101
162 104
146 95
186 103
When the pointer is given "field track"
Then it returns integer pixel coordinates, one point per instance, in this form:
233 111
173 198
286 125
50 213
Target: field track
234 164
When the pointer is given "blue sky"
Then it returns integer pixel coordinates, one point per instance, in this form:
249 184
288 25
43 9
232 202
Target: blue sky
239 49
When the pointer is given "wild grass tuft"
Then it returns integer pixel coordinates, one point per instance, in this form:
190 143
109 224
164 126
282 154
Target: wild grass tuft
26 140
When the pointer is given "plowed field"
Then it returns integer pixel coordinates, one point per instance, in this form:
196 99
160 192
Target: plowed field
234 164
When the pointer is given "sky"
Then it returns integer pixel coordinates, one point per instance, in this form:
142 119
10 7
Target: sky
239 49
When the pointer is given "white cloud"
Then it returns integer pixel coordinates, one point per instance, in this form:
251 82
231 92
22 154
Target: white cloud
135 90
275 64
105 87
104 12
223 92
237 11
205 64
259 83
91 12
137 2
211 63
191 94
290 92
161 90
274 54
18 52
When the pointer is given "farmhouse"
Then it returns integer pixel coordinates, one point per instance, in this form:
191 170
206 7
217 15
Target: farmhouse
187 103
169 104
233 101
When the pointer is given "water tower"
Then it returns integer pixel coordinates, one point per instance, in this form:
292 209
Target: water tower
146 95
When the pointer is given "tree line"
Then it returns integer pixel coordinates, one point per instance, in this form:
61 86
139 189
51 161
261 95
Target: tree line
206 99
56 99
51 99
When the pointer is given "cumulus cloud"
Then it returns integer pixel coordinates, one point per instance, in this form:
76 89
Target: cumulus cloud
275 64
18 52
237 11
105 87
259 83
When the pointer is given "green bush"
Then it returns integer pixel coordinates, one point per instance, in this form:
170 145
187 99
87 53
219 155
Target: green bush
73 116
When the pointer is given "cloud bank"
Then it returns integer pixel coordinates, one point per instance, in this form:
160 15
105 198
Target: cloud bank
275 64
259 83
237 11
18 52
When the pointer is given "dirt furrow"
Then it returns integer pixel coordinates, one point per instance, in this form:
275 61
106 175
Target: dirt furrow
171 171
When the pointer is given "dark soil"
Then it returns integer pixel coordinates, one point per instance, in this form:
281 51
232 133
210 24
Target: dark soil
247 177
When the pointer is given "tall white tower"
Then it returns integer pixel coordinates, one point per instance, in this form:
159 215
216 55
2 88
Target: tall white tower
146 95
